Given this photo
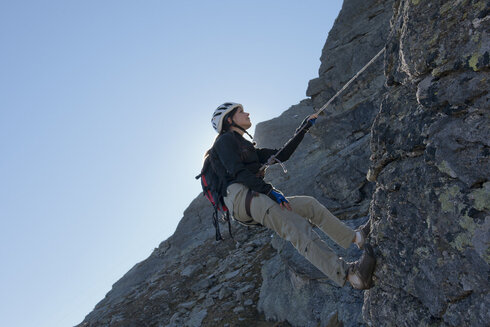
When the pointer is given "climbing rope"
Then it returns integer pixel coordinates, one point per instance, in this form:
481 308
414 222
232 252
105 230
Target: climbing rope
273 159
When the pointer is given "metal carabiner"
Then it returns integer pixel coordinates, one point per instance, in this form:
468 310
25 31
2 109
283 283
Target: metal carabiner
283 166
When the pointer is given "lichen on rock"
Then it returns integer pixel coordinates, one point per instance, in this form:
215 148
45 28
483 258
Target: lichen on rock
437 99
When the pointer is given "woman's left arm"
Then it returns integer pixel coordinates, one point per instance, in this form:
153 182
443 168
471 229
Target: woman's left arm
264 153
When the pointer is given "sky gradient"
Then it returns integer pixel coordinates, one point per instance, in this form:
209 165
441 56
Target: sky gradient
105 111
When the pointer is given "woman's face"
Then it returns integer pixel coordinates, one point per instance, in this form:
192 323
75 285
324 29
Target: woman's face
241 118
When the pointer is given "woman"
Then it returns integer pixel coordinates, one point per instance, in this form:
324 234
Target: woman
253 201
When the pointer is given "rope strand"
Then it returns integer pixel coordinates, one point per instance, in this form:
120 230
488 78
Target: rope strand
273 159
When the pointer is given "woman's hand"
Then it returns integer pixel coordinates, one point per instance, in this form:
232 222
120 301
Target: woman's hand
286 205
280 199
312 119
314 116
307 123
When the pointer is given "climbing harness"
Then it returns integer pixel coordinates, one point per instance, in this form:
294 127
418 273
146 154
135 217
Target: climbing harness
273 159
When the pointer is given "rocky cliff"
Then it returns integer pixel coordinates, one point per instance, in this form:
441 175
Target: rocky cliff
416 124
430 160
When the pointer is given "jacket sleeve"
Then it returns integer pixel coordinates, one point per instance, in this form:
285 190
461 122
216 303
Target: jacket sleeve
264 154
227 151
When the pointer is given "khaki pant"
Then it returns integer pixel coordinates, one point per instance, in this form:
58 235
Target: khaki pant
295 226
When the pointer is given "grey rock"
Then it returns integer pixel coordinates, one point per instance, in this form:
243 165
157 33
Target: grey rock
224 293
117 318
238 309
190 270
212 261
333 320
248 302
239 293
175 320
208 302
242 237
305 297
216 288
196 317
187 305
296 291
192 231
249 249
458 143
245 288
430 144
200 285
232 274
159 294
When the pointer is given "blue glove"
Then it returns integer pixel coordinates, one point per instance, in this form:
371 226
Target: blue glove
307 123
277 196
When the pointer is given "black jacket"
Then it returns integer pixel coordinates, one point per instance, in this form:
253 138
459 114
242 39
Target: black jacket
242 160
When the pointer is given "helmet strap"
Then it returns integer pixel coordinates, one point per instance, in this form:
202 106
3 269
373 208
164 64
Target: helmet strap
243 130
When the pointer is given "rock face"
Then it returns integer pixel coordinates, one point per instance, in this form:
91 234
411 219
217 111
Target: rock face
331 164
430 159
358 34
190 280
417 125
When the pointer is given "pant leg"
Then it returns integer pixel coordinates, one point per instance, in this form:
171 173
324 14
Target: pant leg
310 208
289 226
296 229
235 201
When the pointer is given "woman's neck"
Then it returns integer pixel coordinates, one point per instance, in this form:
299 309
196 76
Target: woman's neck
239 131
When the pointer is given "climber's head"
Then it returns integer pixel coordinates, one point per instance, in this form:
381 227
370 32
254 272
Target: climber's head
230 116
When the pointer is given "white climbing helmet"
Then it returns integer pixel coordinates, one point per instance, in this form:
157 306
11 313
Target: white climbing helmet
220 113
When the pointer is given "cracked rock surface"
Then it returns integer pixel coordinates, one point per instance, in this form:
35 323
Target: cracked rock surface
430 159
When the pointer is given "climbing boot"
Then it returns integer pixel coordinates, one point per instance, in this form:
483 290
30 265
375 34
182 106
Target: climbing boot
360 273
363 231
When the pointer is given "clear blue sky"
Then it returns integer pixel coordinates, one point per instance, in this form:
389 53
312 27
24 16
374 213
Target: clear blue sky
105 111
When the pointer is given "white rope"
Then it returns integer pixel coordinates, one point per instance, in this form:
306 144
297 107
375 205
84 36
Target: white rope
273 158
350 81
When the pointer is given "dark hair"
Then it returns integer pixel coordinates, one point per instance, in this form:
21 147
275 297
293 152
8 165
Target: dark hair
226 125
